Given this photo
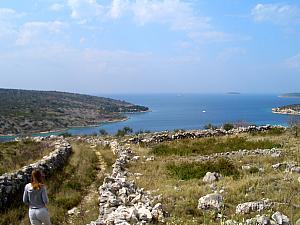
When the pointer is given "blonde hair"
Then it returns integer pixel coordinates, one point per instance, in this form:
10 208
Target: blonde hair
37 180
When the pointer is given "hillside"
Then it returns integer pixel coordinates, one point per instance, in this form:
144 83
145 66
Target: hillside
288 109
24 111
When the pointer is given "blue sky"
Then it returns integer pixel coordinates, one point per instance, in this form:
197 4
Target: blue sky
150 46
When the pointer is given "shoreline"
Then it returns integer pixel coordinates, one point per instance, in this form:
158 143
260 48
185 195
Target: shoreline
285 111
70 127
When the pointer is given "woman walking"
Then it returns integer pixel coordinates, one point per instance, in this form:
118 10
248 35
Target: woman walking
35 196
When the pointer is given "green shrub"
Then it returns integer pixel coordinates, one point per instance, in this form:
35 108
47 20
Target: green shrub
228 126
274 131
253 169
103 132
122 132
66 134
210 126
187 171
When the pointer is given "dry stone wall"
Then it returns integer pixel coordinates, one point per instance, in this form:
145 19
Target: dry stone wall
12 184
121 201
158 137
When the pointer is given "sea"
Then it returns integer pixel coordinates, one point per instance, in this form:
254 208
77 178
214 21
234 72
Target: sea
192 111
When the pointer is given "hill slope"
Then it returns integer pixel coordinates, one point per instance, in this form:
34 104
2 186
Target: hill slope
23 111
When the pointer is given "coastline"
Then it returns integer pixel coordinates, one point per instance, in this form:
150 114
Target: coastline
70 127
285 112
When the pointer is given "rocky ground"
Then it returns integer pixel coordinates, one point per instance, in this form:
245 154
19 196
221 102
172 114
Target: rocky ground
137 184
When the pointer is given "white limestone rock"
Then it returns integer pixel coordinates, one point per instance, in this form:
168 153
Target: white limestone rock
211 177
210 201
248 207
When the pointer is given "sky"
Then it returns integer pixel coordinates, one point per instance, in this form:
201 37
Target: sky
150 46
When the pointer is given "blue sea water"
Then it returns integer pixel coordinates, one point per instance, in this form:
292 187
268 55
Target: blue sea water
193 111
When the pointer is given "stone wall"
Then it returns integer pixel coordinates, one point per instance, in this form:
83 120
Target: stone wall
158 137
12 184
121 201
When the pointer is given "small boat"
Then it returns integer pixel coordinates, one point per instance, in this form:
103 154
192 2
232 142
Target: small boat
204 111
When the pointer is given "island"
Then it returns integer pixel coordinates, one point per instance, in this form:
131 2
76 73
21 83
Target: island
290 95
289 109
30 111
233 93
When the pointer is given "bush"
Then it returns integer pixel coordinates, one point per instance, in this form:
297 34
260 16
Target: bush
142 132
187 171
66 134
103 132
274 131
228 126
210 126
122 132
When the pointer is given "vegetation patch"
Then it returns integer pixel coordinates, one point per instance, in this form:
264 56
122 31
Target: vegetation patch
206 146
25 111
14 155
187 171
275 131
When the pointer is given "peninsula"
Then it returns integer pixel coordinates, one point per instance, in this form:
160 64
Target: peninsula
290 95
27 111
289 109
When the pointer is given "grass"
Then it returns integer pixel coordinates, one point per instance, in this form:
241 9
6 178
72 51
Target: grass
207 146
274 131
14 155
193 170
65 188
179 179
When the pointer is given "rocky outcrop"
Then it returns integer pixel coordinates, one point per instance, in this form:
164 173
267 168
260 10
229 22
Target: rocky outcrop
257 206
12 184
121 201
277 219
211 177
291 167
158 137
211 201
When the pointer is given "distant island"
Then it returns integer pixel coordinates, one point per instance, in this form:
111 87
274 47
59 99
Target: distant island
233 93
26 111
290 95
289 109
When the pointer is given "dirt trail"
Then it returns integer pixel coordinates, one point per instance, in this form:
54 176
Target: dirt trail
88 209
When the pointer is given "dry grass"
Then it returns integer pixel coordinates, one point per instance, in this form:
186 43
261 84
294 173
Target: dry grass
66 188
181 196
14 155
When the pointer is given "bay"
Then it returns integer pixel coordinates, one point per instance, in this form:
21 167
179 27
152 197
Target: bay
193 111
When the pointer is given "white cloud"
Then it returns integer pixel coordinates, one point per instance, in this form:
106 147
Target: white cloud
293 62
178 14
38 31
118 7
85 9
56 7
281 14
7 26
6 13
